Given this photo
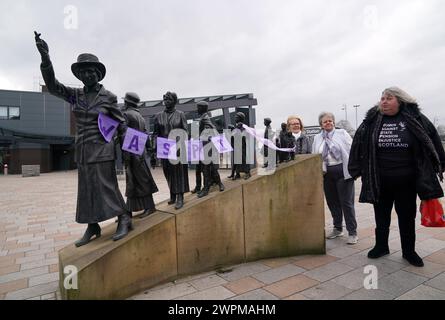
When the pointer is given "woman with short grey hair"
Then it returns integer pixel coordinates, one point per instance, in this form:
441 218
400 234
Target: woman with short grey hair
334 146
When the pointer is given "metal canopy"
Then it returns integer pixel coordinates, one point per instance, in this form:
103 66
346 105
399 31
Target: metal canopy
150 108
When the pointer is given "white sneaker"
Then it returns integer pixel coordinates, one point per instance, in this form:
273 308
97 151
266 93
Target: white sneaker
352 239
334 234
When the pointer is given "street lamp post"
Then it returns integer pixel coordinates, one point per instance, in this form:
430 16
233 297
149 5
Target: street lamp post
356 118
346 112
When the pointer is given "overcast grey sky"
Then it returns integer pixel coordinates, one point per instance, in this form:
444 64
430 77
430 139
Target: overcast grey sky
296 57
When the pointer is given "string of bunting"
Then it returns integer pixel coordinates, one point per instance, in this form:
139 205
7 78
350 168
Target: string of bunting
134 141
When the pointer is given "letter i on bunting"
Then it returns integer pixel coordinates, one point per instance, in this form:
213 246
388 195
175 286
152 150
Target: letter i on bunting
221 144
134 141
107 126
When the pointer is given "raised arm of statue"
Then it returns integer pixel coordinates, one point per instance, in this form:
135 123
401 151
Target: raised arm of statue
54 87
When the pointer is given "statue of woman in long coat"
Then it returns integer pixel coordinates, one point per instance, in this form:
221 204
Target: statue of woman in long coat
176 174
140 183
98 196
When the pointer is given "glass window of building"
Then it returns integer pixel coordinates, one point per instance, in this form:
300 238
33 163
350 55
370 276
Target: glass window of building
3 113
14 113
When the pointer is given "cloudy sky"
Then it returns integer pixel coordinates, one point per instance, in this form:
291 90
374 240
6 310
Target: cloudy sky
296 56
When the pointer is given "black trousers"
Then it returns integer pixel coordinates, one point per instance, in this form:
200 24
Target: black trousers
399 191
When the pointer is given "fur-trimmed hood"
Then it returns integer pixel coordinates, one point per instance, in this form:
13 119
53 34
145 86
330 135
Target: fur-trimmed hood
410 108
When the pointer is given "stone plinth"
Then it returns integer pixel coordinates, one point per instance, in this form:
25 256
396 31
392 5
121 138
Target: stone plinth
267 216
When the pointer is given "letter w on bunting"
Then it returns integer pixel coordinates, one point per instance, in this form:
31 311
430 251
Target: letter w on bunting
107 126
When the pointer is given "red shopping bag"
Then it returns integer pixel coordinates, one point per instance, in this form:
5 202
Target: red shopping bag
432 213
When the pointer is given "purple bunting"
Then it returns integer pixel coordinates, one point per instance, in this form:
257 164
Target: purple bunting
195 151
166 149
107 126
221 144
135 141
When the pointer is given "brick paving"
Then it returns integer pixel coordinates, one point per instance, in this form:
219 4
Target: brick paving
37 220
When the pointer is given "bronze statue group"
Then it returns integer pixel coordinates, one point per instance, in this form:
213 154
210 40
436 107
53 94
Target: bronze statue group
99 198
392 174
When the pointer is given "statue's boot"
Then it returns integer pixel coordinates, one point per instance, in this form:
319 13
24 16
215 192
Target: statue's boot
236 177
147 212
247 176
179 201
117 219
196 190
124 226
221 187
204 192
172 198
93 229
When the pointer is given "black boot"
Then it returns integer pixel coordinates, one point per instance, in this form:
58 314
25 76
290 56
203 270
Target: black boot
413 258
221 187
92 229
124 226
236 177
247 176
381 244
147 212
180 201
204 192
196 190
408 240
172 198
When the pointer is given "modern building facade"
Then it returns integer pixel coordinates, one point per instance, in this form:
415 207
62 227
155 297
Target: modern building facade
37 128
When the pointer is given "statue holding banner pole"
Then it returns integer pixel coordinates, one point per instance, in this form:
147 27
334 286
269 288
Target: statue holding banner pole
175 174
140 184
98 196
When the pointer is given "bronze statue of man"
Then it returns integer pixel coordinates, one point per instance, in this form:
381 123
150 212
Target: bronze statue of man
140 183
176 174
210 170
98 196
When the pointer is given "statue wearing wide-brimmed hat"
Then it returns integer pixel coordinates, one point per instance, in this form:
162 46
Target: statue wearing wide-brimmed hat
98 196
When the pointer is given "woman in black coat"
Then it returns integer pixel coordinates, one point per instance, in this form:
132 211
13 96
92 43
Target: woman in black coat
398 154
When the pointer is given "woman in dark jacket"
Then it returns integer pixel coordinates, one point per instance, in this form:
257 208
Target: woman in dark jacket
398 154
302 143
